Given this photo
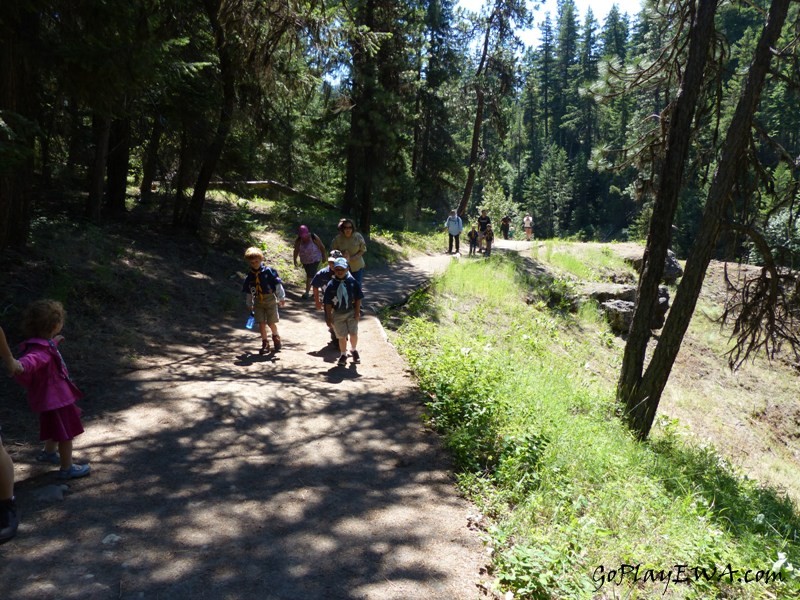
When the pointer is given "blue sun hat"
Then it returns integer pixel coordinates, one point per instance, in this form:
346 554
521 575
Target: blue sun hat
340 262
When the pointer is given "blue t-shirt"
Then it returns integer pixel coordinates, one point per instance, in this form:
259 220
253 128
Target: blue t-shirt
267 278
322 277
343 300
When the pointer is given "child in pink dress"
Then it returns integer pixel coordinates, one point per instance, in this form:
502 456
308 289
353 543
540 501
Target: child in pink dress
51 393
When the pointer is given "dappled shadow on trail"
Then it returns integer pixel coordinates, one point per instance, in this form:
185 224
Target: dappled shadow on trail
230 494
221 473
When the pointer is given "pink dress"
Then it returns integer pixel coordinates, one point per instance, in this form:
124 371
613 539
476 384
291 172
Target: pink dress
51 393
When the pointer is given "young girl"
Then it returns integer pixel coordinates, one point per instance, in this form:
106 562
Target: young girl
310 249
51 393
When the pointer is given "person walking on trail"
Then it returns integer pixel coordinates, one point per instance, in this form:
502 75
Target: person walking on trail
311 250
265 292
488 238
9 520
352 246
483 222
320 281
454 226
527 225
505 226
473 236
342 301
51 393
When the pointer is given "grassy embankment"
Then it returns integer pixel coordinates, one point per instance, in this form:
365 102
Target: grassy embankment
530 418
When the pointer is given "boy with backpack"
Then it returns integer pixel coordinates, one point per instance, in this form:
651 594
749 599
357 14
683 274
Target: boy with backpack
342 301
265 292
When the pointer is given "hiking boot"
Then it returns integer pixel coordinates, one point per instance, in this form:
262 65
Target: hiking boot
356 356
48 457
264 347
9 522
306 296
343 360
276 339
74 472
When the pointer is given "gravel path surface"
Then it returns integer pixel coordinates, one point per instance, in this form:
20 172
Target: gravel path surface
231 475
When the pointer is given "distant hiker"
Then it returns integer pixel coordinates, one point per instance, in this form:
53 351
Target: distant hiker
454 225
483 222
9 520
352 246
342 301
505 225
265 292
51 393
527 225
474 237
488 238
311 250
320 280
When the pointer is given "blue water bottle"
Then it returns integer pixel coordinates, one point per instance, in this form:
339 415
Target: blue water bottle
251 321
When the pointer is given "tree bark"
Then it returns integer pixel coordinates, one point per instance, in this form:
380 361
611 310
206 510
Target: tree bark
478 124
151 159
101 130
16 96
117 168
214 151
643 398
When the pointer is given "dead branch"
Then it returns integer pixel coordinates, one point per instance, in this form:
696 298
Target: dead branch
765 309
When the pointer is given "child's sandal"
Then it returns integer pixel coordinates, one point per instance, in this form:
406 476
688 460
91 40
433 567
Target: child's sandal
276 340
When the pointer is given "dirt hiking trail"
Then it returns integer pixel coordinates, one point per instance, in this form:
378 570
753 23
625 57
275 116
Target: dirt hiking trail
232 475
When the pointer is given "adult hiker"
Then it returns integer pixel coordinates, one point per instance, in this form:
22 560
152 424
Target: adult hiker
454 226
352 246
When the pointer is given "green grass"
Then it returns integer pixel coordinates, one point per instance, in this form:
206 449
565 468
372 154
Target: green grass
539 448
583 261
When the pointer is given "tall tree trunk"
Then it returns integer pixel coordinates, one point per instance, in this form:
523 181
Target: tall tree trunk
101 130
76 138
117 168
359 177
179 182
473 153
150 161
478 124
214 151
17 97
643 393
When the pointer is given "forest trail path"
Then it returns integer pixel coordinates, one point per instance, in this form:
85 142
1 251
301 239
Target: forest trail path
231 475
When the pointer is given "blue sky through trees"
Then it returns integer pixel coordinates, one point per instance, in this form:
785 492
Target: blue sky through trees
600 9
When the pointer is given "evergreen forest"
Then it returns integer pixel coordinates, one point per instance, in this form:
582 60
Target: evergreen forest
394 112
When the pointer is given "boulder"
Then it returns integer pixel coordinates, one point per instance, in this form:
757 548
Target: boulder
672 268
619 313
603 292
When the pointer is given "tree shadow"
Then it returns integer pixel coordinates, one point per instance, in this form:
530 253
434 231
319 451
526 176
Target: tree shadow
737 504
235 481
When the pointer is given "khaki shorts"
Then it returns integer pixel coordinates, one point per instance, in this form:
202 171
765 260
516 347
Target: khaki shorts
345 323
267 310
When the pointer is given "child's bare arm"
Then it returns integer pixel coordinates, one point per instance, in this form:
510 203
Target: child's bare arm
13 366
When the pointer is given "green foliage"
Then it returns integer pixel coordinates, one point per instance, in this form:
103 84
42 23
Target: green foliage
497 204
568 488
16 137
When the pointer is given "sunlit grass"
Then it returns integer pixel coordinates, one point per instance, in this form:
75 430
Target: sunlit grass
540 448
587 262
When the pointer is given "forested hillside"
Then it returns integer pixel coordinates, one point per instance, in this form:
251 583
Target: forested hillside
393 111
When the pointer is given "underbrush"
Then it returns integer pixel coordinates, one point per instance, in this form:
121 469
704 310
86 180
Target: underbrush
577 508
